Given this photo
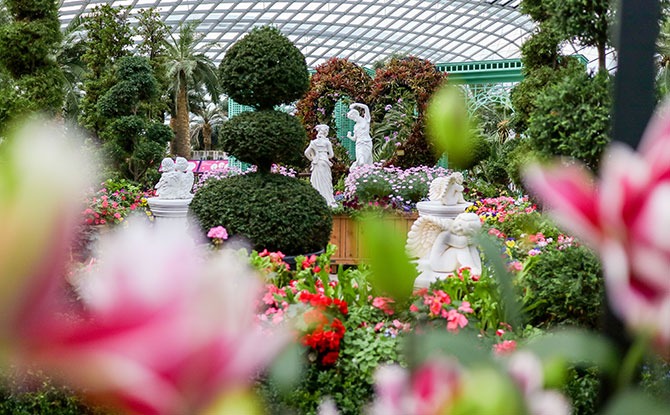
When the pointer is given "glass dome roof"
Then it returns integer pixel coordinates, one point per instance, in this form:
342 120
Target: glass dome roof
365 31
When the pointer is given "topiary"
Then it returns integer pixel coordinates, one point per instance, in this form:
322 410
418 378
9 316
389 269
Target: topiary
563 286
264 137
264 69
274 212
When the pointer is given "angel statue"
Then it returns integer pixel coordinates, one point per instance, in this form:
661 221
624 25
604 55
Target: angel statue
168 185
447 190
319 152
445 245
176 180
361 134
186 178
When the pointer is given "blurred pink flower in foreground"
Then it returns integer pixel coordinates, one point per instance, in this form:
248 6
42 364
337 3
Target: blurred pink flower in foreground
164 331
625 217
42 175
162 327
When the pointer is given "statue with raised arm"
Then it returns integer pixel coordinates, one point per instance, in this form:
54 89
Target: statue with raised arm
361 134
319 152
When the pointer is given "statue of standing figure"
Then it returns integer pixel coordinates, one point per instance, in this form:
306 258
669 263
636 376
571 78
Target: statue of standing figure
361 134
319 152
176 181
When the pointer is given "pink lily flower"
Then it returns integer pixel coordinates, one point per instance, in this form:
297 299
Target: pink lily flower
164 330
39 205
624 216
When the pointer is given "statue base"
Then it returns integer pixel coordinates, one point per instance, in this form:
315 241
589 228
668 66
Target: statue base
437 209
172 212
426 275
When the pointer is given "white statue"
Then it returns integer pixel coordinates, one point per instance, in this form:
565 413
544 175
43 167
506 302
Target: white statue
319 152
361 134
186 178
446 243
447 190
176 181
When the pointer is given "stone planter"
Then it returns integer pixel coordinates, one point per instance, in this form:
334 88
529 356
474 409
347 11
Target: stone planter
346 235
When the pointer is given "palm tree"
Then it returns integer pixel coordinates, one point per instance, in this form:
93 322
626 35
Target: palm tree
206 119
186 68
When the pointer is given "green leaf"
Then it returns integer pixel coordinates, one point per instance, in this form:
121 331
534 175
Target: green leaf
576 347
511 306
468 350
635 402
391 272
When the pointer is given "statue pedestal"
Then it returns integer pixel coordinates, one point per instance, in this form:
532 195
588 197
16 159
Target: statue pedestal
172 212
436 209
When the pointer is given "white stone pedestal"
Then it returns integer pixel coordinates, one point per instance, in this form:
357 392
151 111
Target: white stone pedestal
172 212
437 209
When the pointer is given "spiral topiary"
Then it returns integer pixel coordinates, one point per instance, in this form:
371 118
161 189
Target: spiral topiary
264 69
272 211
263 138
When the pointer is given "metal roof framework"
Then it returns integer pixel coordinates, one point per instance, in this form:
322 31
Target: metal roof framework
365 31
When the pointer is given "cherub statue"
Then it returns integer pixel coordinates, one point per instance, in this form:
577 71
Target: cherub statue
168 185
361 134
447 190
446 243
319 152
186 178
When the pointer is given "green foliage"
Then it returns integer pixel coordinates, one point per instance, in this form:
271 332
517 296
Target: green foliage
34 394
582 388
28 44
264 69
562 287
519 155
525 94
131 140
350 382
108 39
272 211
264 137
572 118
541 49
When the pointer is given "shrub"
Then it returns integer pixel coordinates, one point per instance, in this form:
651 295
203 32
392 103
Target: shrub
264 69
274 212
562 285
264 137
573 118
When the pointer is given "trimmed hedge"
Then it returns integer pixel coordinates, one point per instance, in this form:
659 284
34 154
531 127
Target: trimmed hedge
264 137
264 69
272 211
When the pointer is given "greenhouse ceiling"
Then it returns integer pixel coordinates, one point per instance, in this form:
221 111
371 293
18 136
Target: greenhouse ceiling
365 31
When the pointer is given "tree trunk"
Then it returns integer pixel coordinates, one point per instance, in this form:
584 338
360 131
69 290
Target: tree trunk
173 125
602 65
182 139
207 136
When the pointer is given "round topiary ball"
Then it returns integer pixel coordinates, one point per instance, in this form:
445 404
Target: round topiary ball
264 69
263 138
272 211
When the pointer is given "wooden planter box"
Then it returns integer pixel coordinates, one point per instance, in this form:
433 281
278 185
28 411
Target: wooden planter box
346 235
